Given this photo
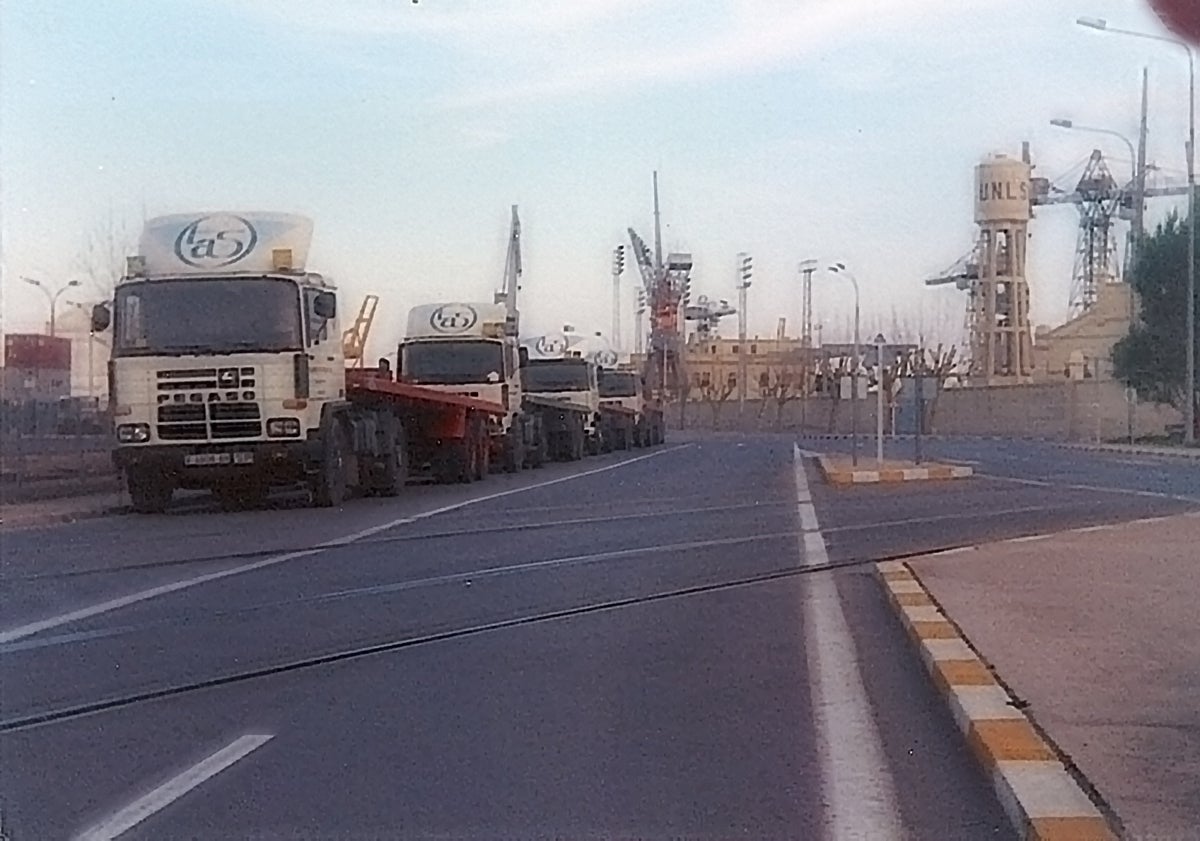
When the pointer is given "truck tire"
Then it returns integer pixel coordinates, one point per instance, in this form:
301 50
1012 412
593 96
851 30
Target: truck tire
149 493
625 439
514 450
394 472
579 443
459 460
331 485
481 462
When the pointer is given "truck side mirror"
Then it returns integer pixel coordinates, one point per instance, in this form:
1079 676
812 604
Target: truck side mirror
399 362
325 305
523 356
101 318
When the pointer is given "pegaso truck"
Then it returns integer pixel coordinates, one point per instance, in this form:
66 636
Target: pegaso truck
627 388
227 374
567 375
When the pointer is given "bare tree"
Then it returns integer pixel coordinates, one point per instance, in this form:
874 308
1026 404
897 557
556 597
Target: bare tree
101 259
715 392
940 365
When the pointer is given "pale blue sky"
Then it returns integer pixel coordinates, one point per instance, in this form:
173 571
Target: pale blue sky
837 129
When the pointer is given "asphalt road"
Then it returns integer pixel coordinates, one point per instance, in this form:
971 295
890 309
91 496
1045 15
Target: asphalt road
627 647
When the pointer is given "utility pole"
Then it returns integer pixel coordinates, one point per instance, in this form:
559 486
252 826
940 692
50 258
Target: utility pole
744 271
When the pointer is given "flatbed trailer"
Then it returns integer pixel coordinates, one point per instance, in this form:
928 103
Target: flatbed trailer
618 427
439 433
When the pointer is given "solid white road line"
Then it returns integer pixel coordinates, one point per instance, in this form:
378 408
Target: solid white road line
1095 488
860 797
173 789
31 628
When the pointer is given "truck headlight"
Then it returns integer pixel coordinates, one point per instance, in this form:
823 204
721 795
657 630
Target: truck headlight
283 428
133 433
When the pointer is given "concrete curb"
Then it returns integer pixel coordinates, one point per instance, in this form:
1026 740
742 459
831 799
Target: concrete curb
855 476
1039 794
1135 450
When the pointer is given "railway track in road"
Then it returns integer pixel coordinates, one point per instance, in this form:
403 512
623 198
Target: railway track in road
52 715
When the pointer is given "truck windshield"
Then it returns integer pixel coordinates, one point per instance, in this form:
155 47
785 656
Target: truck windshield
544 375
453 363
618 384
206 316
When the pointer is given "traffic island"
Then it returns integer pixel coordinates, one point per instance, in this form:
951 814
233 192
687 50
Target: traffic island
839 470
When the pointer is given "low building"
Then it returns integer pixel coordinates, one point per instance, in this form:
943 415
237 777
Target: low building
1082 348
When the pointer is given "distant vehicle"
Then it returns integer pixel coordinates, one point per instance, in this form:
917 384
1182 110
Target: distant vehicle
627 388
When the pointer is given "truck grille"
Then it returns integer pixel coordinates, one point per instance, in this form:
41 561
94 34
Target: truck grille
207 404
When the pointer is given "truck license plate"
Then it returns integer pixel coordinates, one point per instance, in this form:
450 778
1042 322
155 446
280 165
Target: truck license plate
211 459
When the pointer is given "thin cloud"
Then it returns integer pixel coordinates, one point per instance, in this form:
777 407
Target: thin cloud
753 41
471 19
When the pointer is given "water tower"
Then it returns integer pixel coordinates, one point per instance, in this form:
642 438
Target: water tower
1001 337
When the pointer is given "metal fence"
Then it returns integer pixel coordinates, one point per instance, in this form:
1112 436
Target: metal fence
57 448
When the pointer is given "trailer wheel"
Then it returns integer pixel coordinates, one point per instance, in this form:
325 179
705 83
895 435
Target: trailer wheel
538 454
149 492
330 487
481 462
394 474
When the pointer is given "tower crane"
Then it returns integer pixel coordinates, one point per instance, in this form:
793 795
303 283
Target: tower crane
666 286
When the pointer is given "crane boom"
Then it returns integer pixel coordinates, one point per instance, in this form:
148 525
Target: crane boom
512 269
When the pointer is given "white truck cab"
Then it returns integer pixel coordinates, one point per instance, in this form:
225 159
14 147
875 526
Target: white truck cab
225 353
468 349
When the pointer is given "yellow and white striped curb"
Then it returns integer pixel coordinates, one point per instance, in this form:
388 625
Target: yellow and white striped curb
1039 794
847 476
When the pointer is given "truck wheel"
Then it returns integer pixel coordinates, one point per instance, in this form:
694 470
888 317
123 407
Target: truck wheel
330 486
148 492
514 450
394 474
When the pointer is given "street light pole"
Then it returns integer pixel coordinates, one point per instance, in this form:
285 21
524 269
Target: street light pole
1189 386
52 297
744 272
618 267
879 343
840 268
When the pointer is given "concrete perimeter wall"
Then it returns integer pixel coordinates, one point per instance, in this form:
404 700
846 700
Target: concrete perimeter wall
1060 411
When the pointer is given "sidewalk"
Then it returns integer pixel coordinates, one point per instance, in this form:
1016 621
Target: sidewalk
1096 630
21 515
